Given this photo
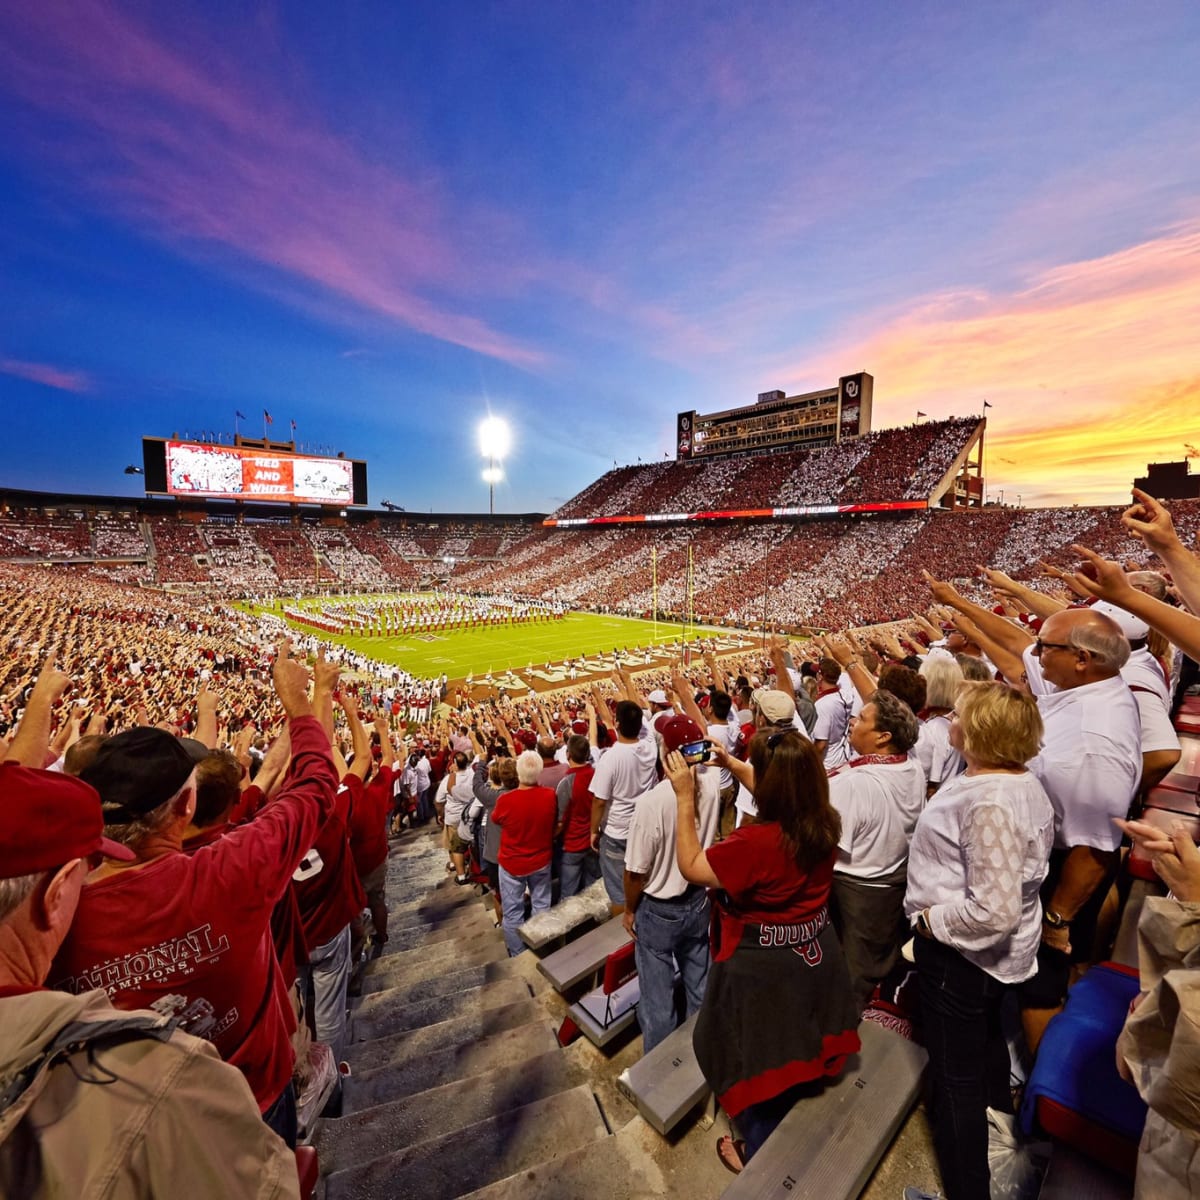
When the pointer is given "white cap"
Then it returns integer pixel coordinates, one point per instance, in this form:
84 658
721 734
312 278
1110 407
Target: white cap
1132 627
658 696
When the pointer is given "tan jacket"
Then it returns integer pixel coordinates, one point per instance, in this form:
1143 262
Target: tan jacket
142 1113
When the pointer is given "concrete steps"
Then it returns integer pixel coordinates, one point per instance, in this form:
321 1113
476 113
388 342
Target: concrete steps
386 1015
458 1079
390 1081
397 1047
361 1136
443 1167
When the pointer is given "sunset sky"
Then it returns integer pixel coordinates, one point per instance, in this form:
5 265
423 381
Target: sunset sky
385 220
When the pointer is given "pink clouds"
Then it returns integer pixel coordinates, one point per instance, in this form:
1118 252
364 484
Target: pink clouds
46 375
1091 368
208 159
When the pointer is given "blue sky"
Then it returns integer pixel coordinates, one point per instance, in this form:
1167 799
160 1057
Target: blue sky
382 220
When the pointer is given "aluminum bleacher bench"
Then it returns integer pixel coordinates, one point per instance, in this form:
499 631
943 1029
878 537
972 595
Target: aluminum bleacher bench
584 957
829 1144
610 1008
666 1084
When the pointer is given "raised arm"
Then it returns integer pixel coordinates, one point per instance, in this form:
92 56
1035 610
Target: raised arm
693 862
359 738
1000 631
1150 521
32 740
1031 600
1110 584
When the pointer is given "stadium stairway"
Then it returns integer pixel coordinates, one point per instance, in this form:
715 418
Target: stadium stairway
459 1087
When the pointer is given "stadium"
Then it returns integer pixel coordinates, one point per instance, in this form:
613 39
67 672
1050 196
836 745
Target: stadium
655 580
599 602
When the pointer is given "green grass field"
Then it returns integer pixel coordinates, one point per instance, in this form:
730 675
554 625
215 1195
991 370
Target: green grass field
511 648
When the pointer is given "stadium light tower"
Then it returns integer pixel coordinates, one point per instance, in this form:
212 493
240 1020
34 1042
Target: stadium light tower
495 440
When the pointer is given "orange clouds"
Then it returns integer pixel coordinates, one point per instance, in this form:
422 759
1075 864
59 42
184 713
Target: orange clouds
1092 369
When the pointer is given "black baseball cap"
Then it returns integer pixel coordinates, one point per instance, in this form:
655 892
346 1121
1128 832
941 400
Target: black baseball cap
138 770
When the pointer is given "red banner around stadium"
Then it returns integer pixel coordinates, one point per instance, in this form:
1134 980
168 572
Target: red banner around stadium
804 510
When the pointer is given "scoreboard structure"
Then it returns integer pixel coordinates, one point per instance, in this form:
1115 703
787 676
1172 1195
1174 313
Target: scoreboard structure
251 470
777 421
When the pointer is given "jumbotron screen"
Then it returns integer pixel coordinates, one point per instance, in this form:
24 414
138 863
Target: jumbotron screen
208 470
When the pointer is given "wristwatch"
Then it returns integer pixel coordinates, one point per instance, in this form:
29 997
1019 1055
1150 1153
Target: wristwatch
1054 920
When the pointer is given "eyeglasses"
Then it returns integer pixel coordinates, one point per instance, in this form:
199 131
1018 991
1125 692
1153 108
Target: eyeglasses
1039 646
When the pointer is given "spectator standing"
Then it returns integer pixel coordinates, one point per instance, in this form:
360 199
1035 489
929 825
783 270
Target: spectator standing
526 818
665 913
979 855
99 1100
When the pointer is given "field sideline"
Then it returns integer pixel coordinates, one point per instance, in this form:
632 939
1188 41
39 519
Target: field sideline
508 648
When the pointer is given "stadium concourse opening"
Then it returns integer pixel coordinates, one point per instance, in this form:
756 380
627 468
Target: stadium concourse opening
484 1005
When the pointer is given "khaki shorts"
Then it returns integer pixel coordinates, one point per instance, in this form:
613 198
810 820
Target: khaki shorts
457 845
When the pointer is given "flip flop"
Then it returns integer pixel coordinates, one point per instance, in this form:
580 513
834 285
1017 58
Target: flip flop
732 1153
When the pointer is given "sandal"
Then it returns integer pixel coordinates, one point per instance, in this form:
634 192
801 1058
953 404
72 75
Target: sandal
732 1153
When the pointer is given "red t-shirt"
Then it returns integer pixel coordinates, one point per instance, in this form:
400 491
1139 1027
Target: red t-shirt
246 805
762 884
526 817
577 828
368 823
190 936
332 896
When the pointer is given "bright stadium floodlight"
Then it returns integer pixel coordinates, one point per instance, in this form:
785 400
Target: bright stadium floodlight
495 441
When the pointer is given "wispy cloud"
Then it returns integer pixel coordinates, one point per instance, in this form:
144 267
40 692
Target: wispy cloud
1090 367
200 155
47 375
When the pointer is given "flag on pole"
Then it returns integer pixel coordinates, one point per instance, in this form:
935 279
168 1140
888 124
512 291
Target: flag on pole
268 418
293 427
920 414
987 404
241 416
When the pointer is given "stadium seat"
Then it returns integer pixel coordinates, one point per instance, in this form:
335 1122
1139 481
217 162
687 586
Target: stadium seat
609 1009
666 1084
1074 1092
309 1169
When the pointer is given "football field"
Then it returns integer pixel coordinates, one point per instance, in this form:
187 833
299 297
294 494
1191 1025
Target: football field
519 649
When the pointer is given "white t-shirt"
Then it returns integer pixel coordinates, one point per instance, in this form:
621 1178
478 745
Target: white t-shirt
833 719
650 850
979 855
1091 757
940 760
879 804
726 735
627 771
1153 698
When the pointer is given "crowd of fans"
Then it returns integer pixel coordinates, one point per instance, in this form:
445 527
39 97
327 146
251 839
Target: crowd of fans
198 811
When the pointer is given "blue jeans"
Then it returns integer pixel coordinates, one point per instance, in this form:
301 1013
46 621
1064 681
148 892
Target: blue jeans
612 868
512 902
670 932
282 1116
579 870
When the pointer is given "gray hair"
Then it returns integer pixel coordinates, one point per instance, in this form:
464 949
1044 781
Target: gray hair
130 833
896 719
14 892
529 767
1102 638
943 676
1150 582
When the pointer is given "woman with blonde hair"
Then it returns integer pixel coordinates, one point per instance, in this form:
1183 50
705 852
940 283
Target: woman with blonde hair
979 854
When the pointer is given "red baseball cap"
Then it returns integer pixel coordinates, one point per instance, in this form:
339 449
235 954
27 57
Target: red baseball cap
47 819
680 731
